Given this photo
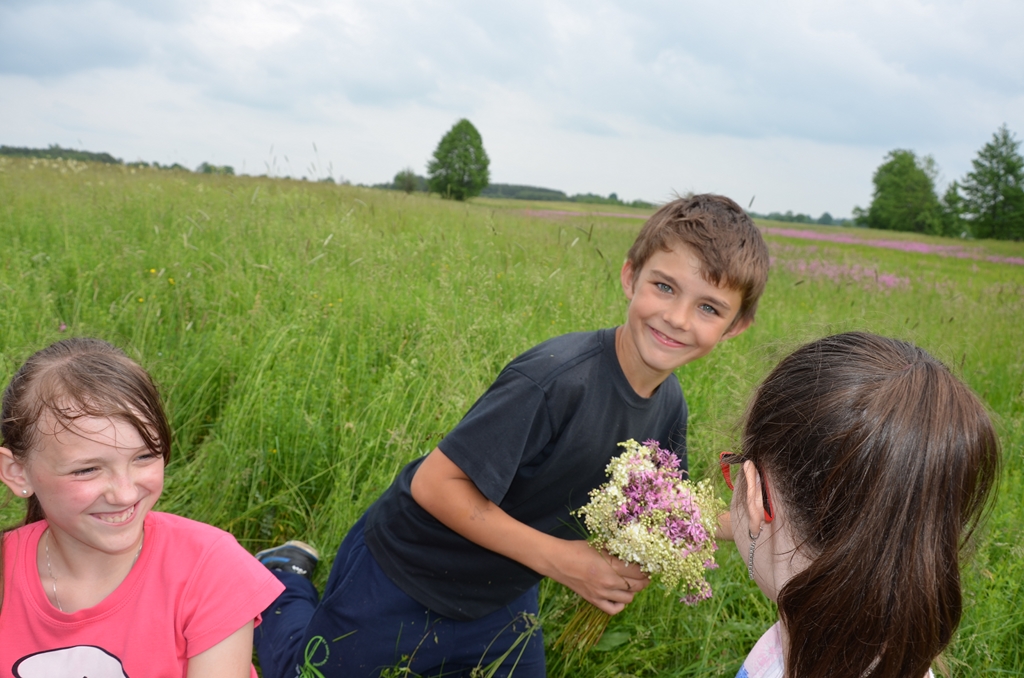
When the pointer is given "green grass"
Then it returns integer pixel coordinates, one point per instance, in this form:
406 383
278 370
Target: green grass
311 339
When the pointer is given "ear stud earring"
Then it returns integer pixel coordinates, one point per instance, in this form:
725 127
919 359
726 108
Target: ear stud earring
24 491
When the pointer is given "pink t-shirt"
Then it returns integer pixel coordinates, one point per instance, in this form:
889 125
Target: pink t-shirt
192 587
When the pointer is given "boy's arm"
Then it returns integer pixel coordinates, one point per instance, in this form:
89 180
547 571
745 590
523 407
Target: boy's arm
447 493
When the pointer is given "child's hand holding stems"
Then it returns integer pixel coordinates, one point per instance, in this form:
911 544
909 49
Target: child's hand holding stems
447 493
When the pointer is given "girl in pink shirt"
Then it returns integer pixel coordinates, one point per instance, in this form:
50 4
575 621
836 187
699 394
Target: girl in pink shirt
94 582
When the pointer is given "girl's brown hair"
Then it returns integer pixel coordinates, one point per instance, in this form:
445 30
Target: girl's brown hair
883 462
71 379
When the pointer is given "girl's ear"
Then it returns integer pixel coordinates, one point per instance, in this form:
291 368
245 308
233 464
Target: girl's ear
754 505
12 473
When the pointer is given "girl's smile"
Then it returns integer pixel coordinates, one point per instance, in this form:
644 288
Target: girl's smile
96 480
116 518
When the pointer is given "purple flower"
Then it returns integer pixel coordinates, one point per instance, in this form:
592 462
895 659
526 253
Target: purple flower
693 598
648 491
681 531
662 458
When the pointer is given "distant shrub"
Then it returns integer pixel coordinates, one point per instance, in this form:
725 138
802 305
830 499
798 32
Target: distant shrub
407 180
208 168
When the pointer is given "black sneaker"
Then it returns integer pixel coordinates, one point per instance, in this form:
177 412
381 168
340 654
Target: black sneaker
293 556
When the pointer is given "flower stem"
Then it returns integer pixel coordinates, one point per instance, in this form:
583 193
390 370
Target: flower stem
584 630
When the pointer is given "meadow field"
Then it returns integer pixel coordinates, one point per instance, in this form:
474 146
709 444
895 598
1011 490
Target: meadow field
310 339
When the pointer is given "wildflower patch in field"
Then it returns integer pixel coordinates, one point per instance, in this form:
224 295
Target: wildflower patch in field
915 246
867 277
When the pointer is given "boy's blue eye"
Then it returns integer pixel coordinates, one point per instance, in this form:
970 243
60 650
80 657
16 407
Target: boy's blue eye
662 287
709 309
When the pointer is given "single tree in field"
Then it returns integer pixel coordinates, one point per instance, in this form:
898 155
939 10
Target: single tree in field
994 191
904 198
459 167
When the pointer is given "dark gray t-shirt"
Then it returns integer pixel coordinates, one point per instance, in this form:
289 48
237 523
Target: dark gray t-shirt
535 444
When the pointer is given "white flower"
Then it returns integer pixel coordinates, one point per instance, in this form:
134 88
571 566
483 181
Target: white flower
634 513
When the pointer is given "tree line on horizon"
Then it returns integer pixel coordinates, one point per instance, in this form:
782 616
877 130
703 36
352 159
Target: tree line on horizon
407 180
459 169
56 152
988 202
825 219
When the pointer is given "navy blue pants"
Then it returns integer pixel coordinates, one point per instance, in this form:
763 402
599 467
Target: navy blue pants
364 624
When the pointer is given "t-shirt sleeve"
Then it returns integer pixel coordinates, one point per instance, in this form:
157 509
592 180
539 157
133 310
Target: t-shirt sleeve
227 589
503 430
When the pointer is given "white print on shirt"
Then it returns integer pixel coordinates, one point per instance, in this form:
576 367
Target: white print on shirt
80 661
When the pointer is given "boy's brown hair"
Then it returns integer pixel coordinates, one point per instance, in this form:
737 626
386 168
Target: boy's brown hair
725 240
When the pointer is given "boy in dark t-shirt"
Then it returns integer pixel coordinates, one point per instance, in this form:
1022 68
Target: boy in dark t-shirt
440 575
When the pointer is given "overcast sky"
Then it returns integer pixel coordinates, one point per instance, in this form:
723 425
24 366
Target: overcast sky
795 102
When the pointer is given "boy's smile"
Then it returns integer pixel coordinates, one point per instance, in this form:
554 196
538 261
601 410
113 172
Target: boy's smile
675 316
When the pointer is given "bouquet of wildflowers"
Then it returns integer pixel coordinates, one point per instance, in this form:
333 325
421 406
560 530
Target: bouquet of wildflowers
648 514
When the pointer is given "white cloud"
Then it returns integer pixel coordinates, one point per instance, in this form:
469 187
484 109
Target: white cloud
795 100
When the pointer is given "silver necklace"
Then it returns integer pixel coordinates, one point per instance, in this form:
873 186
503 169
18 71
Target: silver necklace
49 569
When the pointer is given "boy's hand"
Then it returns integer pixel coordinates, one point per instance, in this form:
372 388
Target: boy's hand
447 493
599 577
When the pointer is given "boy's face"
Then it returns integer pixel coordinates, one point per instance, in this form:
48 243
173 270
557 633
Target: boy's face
674 316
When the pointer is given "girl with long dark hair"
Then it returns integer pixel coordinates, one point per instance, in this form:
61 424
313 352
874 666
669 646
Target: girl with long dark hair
865 469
